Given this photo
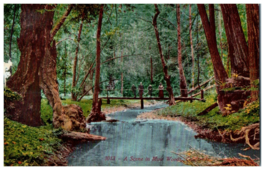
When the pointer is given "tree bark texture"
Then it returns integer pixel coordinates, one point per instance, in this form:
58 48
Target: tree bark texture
96 114
209 28
183 86
192 48
36 71
253 46
74 82
238 49
165 69
234 98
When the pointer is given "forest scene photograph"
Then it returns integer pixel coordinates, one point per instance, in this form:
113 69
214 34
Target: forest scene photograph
113 84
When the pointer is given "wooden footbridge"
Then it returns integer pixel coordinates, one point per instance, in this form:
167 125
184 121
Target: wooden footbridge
141 98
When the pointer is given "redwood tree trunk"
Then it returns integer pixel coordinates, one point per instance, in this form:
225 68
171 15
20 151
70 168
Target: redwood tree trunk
209 28
183 86
192 48
253 47
96 114
73 94
36 71
238 49
165 69
219 71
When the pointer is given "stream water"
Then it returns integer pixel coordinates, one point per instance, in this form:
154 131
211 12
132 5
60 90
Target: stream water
133 142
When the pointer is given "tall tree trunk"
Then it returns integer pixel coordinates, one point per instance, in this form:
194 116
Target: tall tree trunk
65 70
36 71
253 47
209 28
219 71
11 34
151 70
198 65
238 49
165 69
96 114
74 82
192 48
183 86
121 74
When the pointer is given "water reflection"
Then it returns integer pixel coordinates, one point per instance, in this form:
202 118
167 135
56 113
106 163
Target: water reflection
144 143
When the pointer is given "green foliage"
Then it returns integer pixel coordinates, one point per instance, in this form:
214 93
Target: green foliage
9 95
27 146
214 120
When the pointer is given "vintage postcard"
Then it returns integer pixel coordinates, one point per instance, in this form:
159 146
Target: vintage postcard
131 84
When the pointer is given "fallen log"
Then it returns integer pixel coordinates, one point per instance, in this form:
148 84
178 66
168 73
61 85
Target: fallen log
81 136
208 109
207 88
200 85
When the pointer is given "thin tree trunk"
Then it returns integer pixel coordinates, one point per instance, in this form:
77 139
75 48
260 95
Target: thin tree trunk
61 21
253 47
183 86
238 49
96 115
36 71
198 65
65 70
88 72
192 48
165 69
73 94
11 34
151 70
121 74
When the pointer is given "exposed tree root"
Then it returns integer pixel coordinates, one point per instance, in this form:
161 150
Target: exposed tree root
250 134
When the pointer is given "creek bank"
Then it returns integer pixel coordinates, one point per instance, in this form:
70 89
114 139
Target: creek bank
202 132
59 158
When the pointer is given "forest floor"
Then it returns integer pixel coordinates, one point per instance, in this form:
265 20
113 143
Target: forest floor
212 126
35 146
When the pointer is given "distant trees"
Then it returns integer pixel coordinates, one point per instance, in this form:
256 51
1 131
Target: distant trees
192 48
183 86
74 80
11 34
